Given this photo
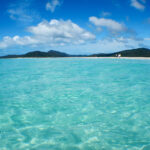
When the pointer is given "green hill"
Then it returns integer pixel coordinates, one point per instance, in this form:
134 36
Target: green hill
140 52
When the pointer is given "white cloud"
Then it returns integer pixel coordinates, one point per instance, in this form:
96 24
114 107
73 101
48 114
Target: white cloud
52 5
110 24
147 39
105 14
19 14
55 32
120 43
21 11
136 4
108 45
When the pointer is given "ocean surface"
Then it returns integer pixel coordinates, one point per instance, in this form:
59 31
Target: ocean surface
74 104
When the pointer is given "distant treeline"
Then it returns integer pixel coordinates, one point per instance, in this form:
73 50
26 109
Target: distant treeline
140 52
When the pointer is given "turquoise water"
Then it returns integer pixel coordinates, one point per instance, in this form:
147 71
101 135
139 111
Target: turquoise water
74 104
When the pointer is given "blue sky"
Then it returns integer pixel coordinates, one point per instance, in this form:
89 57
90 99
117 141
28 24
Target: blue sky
73 26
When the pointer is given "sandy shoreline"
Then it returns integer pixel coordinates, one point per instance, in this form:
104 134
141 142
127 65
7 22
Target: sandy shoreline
147 58
120 57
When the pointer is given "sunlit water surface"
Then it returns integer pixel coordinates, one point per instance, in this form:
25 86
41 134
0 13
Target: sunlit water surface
74 104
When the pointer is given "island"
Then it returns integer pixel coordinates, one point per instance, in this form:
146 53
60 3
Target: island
140 52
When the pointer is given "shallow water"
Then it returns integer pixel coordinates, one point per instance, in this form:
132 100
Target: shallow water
74 104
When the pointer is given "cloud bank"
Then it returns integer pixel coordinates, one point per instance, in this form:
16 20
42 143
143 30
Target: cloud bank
54 32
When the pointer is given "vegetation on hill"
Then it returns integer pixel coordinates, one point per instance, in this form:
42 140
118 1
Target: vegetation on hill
140 52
